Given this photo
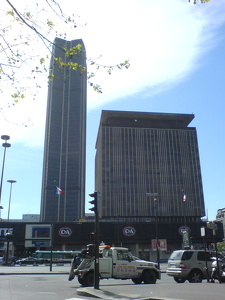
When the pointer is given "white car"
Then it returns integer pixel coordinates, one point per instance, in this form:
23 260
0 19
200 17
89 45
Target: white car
190 265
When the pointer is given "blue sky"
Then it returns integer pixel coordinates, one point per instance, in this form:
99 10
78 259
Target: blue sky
176 51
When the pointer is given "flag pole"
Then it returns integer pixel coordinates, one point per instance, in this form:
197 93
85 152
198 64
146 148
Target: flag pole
184 197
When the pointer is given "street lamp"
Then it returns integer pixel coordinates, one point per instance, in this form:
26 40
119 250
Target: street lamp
8 235
156 232
10 196
5 145
156 226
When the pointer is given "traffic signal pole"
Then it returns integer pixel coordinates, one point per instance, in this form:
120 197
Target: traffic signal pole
96 236
96 273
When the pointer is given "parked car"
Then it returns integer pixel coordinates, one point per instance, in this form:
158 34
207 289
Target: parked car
1 260
12 260
27 261
190 265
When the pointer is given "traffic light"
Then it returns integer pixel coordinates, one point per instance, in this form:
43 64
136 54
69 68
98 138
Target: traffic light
90 250
91 236
94 201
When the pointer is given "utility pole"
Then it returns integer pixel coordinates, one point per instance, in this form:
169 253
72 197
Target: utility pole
156 232
95 210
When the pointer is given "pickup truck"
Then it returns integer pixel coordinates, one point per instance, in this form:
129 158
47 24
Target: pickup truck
118 263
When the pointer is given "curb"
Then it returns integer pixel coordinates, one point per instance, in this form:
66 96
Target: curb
34 273
91 292
87 292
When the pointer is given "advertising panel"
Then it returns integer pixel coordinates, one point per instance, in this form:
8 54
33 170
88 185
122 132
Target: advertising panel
38 235
34 231
162 244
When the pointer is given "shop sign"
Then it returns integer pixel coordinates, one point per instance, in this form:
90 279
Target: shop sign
129 231
65 232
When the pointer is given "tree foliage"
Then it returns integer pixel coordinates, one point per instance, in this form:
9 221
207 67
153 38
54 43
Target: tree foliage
201 1
221 247
27 32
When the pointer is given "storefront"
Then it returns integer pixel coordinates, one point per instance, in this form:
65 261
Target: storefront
140 238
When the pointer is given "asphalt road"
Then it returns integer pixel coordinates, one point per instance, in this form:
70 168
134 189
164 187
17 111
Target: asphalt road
38 283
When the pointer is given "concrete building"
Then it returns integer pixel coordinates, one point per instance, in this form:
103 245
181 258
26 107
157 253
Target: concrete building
65 137
148 164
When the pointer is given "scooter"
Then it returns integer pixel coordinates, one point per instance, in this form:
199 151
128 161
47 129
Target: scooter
218 274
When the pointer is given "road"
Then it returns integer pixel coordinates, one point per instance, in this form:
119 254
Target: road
55 286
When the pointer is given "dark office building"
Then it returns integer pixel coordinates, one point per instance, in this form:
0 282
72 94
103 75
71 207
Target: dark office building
65 137
148 163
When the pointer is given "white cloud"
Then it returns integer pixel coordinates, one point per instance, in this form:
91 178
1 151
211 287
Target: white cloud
164 41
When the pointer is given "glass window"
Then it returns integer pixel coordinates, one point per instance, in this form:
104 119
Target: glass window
108 253
187 255
202 256
124 255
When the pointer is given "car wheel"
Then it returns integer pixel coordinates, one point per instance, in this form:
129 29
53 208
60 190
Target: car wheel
149 277
195 276
179 280
88 279
137 280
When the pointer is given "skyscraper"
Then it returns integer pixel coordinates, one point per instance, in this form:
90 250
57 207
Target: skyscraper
142 156
65 137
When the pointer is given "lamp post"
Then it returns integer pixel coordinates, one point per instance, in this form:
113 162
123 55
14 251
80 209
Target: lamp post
156 231
156 226
10 195
5 145
8 237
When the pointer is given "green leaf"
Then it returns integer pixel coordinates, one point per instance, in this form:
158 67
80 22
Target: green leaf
10 12
42 60
50 23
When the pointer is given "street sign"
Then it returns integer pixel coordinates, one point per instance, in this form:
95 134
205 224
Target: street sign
212 225
38 243
202 231
186 238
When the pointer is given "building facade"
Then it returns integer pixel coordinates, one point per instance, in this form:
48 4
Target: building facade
148 164
65 137
138 237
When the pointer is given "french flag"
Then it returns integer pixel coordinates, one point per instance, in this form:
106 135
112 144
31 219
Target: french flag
58 191
184 197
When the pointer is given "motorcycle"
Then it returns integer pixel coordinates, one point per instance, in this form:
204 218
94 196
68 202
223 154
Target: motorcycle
218 274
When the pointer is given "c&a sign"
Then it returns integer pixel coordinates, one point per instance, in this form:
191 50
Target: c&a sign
129 231
65 232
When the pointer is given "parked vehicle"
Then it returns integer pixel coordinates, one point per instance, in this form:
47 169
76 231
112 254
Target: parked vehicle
29 261
118 263
218 274
12 260
191 265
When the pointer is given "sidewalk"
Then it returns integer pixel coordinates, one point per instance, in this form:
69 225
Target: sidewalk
30 269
